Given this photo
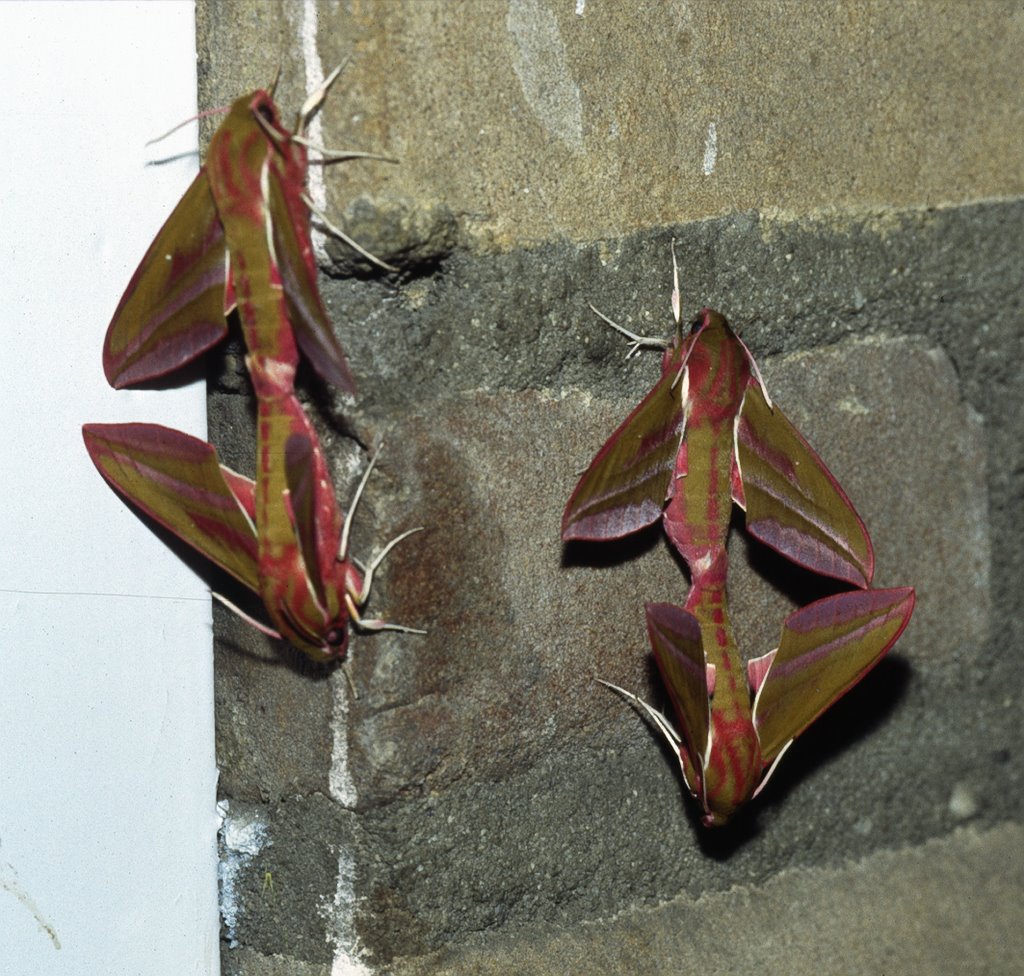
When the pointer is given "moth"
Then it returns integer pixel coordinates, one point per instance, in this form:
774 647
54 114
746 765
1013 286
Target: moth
282 535
736 723
707 436
239 240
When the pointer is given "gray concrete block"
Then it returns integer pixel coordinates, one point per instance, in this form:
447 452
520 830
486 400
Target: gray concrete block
499 710
499 787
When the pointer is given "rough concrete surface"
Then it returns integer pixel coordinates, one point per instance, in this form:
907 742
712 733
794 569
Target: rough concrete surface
523 121
484 804
509 668
497 787
949 906
499 710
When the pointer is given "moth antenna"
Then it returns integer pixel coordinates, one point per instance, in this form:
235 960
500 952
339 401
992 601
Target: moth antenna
660 722
676 300
637 341
272 134
771 769
316 98
341 235
348 678
364 594
192 118
273 84
375 626
347 527
339 155
251 621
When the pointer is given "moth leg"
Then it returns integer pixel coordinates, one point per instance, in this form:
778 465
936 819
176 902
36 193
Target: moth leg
364 593
374 625
341 235
339 155
348 677
355 598
661 723
637 342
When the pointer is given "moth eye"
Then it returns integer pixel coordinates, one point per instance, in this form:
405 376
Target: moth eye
267 112
336 637
696 324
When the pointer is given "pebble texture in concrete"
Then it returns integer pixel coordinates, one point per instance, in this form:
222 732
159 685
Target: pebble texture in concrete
949 906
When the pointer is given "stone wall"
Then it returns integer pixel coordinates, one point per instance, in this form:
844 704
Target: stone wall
844 183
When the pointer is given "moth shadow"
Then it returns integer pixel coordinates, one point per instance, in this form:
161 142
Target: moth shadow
796 583
216 579
219 581
281 653
722 843
855 716
329 406
173 158
604 553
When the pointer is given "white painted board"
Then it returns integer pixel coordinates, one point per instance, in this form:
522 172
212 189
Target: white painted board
107 770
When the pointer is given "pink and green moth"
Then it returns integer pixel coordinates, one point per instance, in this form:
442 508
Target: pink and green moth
239 240
281 535
707 436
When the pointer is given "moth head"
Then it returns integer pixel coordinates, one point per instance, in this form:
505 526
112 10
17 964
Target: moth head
336 641
731 767
707 318
327 647
264 111
322 637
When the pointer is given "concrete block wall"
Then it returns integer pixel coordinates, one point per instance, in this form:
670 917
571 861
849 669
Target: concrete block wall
845 184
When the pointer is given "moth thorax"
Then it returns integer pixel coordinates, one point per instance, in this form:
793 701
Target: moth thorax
271 377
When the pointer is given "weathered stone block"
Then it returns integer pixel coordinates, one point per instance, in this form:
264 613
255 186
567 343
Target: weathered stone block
492 731
533 120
